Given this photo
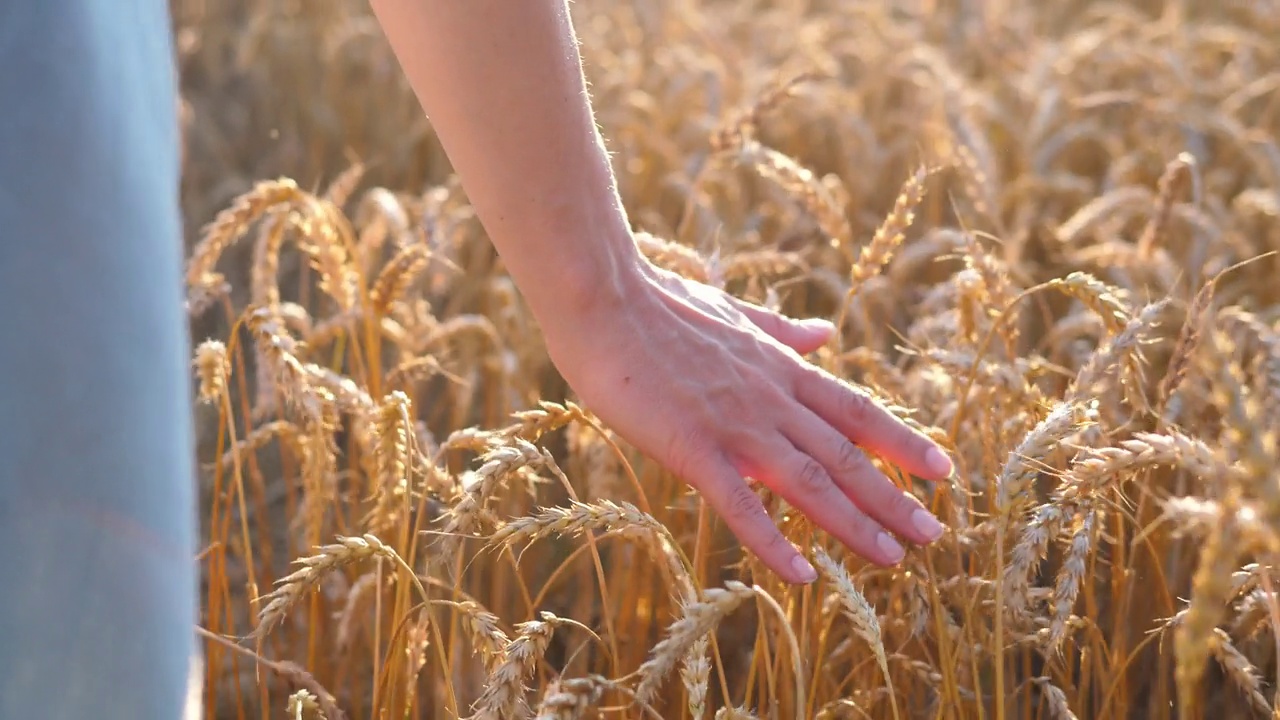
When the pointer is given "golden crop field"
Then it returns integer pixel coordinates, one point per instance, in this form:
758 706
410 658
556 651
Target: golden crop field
1043 228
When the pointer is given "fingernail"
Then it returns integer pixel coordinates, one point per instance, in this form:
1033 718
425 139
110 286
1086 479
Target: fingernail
892 550
804 569
937 462
927 524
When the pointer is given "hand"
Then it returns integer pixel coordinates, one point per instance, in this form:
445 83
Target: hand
716 390
710 387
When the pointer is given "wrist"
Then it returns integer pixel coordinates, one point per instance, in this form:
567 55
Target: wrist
589 284
570 249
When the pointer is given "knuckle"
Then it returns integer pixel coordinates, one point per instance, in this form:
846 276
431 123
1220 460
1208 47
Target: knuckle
869 534
738 438
902 504
774 540
769 322
687 446
811 477
850 460
857 406
861 527
743 504
770 395
917 443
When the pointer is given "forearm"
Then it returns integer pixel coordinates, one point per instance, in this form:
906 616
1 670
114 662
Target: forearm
502 83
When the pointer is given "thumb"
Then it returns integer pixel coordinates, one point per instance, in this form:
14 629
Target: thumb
803 336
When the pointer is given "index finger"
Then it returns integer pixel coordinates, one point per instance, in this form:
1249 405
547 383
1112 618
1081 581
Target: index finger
861 418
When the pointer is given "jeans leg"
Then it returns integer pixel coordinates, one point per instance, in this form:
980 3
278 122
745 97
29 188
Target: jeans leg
97 504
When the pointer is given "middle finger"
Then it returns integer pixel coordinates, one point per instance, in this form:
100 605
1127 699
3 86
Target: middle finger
866 486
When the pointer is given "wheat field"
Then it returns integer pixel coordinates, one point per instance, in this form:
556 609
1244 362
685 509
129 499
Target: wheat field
1045 231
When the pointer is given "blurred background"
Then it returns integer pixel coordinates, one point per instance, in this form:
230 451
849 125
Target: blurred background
1132 141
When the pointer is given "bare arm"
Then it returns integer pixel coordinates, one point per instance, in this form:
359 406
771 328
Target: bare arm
502 83
713 388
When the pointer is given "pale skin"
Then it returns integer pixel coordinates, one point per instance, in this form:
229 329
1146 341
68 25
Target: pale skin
713 388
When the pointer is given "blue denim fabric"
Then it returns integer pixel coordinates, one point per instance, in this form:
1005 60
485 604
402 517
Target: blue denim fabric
97 503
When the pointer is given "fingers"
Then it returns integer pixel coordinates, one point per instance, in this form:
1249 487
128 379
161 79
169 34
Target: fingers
805 483
860 418
868 488
803 336
740 508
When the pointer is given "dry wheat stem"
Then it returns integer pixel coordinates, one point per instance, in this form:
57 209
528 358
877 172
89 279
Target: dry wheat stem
696 620
380 320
